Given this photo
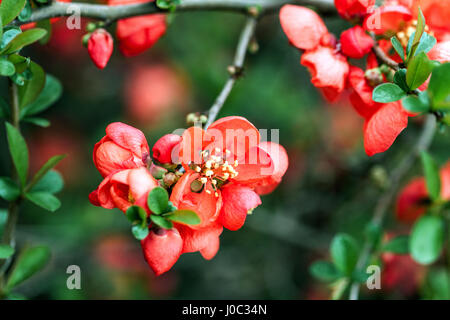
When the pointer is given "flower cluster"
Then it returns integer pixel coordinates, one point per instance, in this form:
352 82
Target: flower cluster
328 60
218 173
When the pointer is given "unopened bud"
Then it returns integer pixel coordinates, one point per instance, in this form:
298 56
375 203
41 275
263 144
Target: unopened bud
170 179
380 177
157 172
374 77
196 186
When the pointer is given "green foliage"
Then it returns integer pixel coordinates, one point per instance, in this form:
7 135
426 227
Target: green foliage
325 271
50 164
32 87
9 190
24 39
161 222
45 200
419 69
184 216
439 89
398 47
6 68
10 9
398 245
138 217
419 104
427 239
51 92
432 177
420 29
400 80
6 251
30 261
19 152
158 200
344 253
52 182
388 92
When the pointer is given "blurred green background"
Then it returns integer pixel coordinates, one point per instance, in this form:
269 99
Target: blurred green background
328 188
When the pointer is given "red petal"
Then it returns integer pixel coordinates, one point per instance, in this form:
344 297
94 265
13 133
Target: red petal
303 27
162 249
445 182
361 98
387 18
128 137
162 150
349 9
356 43
440 52
191 146
100 47
196 240
409 207
211 249
237 201
381 130
93 198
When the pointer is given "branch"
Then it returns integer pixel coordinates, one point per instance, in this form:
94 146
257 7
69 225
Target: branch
235 70
383 56
386 199
112 13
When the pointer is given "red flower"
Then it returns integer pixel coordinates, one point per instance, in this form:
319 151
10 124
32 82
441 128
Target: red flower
225 166
123 147
413 199
356 43
353 9
138 34
100 47
162 150
124 189
162 248
306 31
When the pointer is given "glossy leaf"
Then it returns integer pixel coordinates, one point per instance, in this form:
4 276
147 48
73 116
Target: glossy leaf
158 200
8 189
398 47
184 216
44 200
398 245
419 70
19 152
161 222
50 94
325 271
50 164
6 251
438 88
427 239
344 252
388 92
24 39
52 182
33 87
6 68
417 104
10 9
432 177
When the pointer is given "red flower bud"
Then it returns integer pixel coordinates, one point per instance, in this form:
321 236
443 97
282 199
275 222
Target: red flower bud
162 150
350 9
100 47
162 248
356 43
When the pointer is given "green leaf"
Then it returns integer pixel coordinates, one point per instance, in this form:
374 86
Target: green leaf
184 216
20 63
427 239
398 47
400 80
398 245
419 69
136 214
388 92
418 104
52 182
158 200
8 36
25 14
9 189
6 68
19 152
161 222
50 164
50 94
427 42
420 29
30 261
10 9
139 232
40 122
438 88
44 200
24 39
344 252
33 87
432 177
325 271
6 251
45 24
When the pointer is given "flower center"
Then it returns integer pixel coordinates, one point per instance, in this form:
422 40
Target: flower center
407 32
214 168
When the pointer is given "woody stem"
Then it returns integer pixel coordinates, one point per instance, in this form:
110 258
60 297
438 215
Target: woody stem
235 70
383 56
112 13
387 197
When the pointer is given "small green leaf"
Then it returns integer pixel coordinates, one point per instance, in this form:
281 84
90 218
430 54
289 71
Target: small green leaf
8 36
25 14
388 92
398 245
24 39
50 94
427 239
19 152
10 9
136 214
30 261
438 88
6 68
400 80
184 216
420 29
50 164
325 271
398 47
158 200
44 200
9 189
419 70
432 177
32 88
426 44
344 252
6 251
161 222
139 232
40 122
52 182
418 104
3 219
47 25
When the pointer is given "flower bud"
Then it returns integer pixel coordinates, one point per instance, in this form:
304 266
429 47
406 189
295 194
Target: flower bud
169 179
356 43
100 47
374 77
157 172
162 150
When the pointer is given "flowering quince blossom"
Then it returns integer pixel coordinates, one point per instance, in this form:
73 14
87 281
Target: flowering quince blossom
413 199
100 47
222 172
137 34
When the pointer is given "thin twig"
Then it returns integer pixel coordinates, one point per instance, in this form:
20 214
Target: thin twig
235 70
386 199
383 56
113 13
